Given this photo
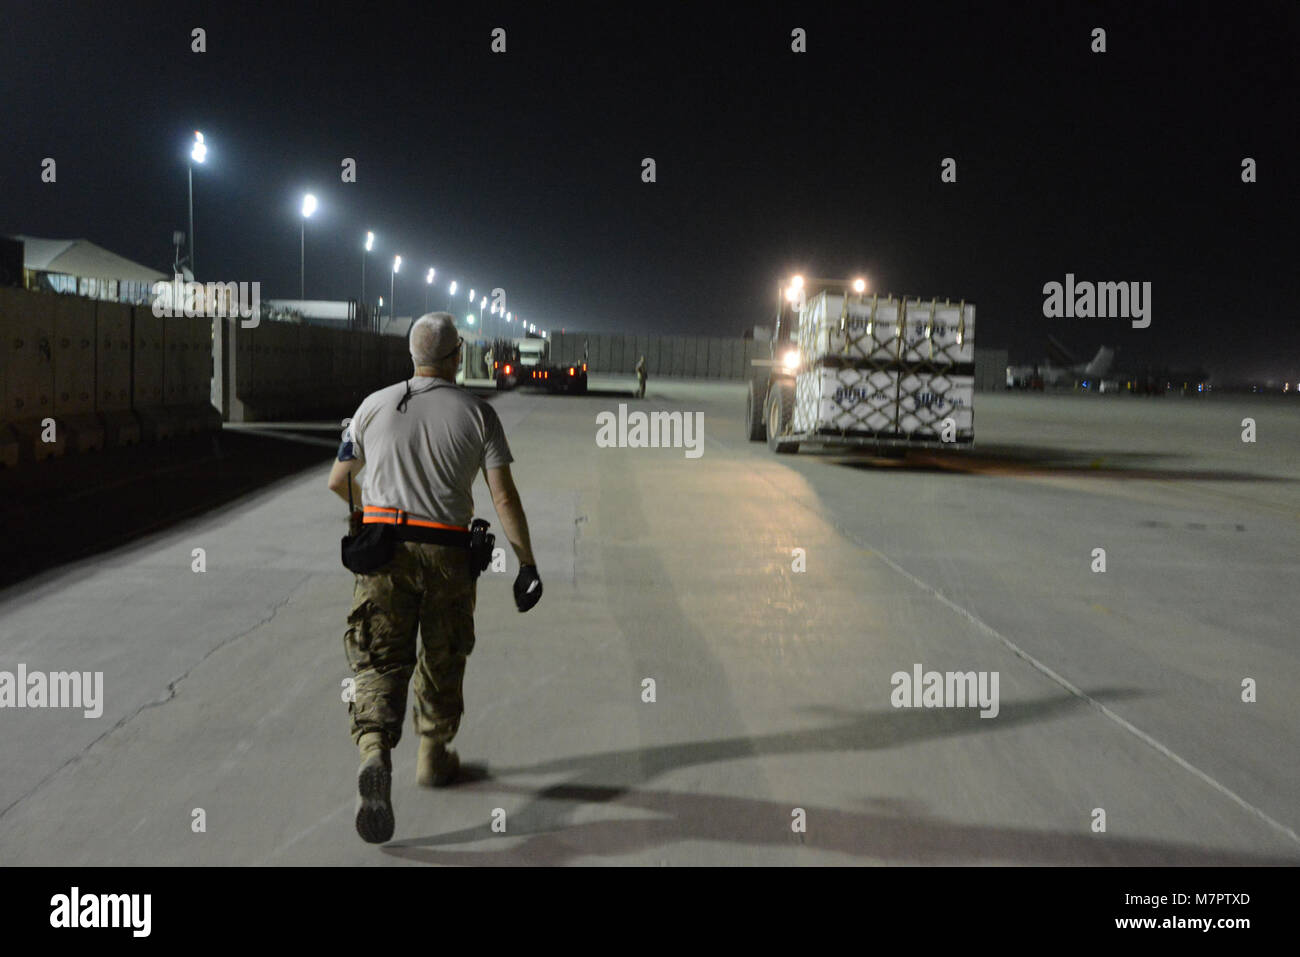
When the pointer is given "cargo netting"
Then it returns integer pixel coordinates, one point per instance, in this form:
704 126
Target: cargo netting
886 368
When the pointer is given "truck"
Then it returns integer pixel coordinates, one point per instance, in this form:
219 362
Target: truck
848 369
526 362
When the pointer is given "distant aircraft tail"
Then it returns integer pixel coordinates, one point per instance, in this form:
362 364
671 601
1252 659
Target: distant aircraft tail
1101 363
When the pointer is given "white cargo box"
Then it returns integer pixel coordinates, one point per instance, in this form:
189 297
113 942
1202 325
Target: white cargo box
926 400
848 400
879 403
866 327
866 335
940 333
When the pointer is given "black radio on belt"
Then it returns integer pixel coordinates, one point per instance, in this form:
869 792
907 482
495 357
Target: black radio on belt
481 545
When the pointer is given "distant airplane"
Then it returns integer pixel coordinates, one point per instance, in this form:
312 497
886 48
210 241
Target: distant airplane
1060 368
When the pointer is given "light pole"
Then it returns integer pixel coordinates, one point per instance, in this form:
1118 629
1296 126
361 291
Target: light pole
428 284
198 153
392 287
370 244
308 207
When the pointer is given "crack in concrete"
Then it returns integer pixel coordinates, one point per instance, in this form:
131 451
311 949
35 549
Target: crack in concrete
170 695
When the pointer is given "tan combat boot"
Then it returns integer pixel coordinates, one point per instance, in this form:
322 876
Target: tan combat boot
437 764
374 818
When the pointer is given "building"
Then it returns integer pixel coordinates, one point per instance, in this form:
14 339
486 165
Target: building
80 268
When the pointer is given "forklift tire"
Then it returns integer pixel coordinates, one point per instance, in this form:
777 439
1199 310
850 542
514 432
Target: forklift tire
754 410
780 413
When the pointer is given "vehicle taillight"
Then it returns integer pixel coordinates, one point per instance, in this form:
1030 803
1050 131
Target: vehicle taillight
584 367
570 370
507 370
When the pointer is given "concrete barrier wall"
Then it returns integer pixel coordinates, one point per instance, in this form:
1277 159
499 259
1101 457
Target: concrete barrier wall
73 346
688 356
28 322
187 366
26 338
171 372
706 357
146 359
282 370
692 349
990 370
112 357
78 374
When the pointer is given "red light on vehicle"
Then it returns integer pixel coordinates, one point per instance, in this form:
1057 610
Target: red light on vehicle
507 370
570 370
584 367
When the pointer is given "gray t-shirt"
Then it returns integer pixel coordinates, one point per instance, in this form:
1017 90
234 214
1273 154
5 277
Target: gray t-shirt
424 460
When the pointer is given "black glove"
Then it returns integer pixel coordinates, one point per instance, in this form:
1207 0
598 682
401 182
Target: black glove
528 587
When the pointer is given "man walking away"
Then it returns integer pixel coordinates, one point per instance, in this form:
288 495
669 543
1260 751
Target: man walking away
640 378
417 446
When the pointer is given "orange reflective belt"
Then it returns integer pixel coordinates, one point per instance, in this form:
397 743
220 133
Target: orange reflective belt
374 515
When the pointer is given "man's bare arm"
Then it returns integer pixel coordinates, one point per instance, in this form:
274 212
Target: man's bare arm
341 475
505 498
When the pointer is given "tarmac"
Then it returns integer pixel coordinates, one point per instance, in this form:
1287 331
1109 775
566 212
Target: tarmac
780 605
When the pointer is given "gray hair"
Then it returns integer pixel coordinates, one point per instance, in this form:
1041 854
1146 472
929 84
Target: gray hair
433 339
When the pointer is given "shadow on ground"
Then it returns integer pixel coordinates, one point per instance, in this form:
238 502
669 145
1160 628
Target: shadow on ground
543 832
629 393
80 505
1043 460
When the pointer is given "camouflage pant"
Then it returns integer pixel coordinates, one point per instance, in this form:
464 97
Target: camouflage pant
428 588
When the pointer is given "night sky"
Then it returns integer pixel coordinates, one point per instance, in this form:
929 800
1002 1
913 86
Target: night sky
523 170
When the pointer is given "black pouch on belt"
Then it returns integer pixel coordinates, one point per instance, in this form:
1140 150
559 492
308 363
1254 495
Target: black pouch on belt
481 544
370 550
